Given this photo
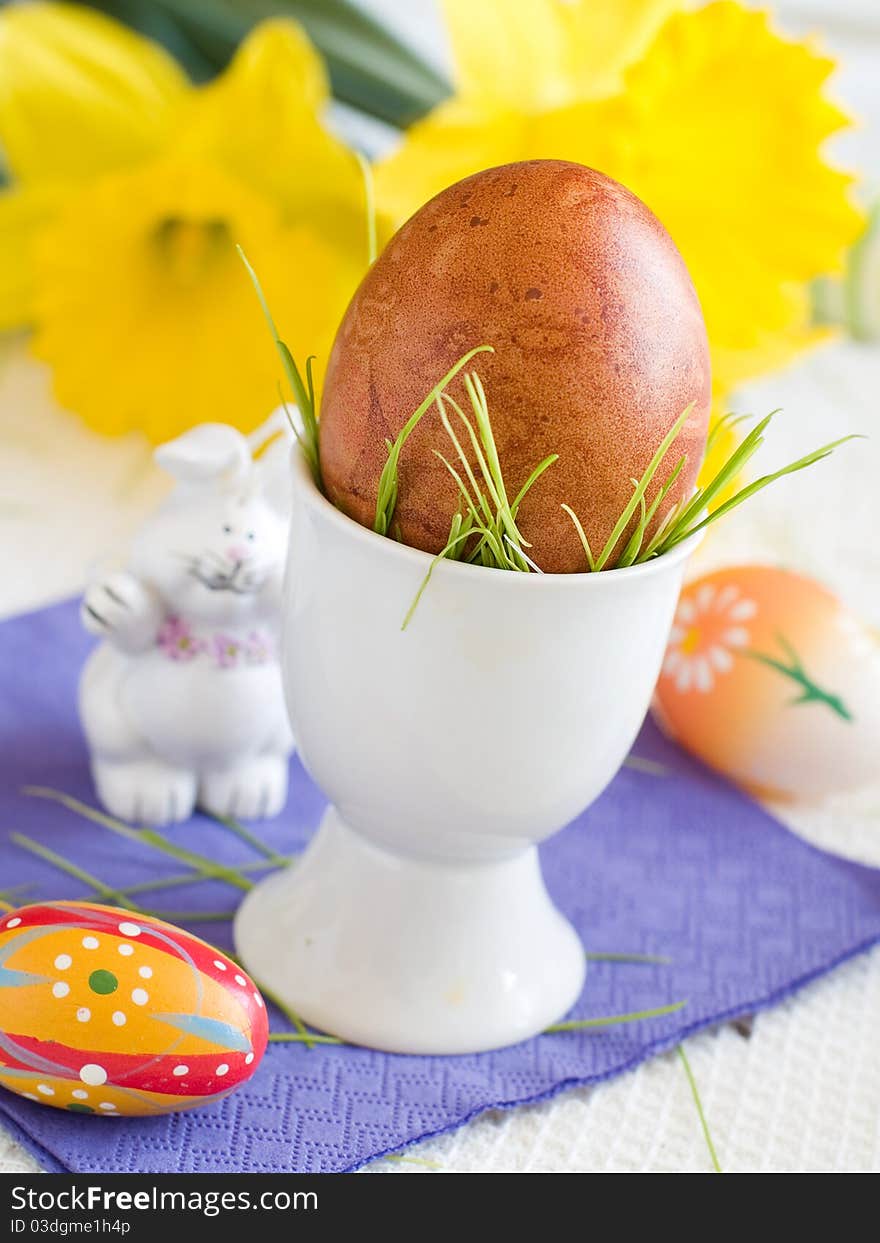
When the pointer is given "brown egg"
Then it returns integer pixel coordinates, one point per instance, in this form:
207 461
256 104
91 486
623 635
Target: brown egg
599 346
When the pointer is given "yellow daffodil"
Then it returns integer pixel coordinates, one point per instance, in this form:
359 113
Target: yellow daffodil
713 119
129 189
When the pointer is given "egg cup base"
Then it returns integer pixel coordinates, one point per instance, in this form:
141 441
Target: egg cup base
411 955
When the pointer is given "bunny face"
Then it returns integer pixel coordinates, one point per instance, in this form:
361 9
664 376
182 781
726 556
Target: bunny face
214 556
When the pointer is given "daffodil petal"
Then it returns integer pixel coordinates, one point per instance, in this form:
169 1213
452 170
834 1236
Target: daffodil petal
261 120
22 213
603 39
720 130
507 53
147 316
538 54
80 93
453 142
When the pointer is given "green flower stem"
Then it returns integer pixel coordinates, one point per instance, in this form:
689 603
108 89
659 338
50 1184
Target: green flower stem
611 1020
72 869
149 837
700 1113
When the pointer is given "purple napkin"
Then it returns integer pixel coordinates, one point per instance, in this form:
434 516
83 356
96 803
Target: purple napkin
670 862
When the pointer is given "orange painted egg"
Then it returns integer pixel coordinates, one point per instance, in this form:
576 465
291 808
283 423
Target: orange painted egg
108 1013
770 679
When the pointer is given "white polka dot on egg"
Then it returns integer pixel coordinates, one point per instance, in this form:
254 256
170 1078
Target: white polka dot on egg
180 1070
146 973
90 943
222 1070
239 979
45 1089
63 961
13 923
60 989
93 1074
126 950
249 1059
108 1106
80 1094
140 997
83 1014
130 930
119 1018
221 966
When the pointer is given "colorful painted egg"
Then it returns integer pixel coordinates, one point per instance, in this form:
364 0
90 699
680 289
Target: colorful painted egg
770 679
112 1014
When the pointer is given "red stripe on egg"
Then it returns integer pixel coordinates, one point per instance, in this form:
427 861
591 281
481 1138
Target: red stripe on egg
188 1075
138 929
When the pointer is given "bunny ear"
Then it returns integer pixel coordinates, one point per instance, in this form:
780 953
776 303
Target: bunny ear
205 452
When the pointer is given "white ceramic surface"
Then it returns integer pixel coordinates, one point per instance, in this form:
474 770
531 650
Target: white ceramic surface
181 701
417 921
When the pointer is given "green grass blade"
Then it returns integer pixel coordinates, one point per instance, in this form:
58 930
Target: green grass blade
682 531
640 960
725 422
630 554
532 480
478 492
700 1113
611 1020
582 536
107 892
728 471
624 519
388 479
489 536
303 393
439 557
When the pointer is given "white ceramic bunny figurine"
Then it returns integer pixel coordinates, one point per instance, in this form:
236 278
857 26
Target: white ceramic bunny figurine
182 702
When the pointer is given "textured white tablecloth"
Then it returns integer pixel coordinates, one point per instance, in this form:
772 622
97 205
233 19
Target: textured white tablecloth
803 1091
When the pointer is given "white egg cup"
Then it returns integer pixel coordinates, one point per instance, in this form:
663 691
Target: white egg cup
417 920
